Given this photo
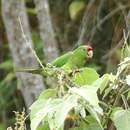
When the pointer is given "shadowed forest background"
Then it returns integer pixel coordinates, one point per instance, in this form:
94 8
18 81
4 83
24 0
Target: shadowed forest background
54 27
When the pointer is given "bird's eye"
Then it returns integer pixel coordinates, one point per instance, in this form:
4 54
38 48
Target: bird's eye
84 49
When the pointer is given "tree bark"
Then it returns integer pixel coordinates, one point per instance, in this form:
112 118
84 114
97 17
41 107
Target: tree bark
46 30
30 84
128 23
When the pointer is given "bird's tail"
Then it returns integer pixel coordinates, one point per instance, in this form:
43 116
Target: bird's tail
30 70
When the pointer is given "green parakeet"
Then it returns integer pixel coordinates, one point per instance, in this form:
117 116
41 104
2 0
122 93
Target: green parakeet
74 59
71 60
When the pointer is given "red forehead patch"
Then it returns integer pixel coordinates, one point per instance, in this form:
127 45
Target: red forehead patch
90 48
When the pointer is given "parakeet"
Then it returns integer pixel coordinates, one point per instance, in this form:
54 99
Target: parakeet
74 59
71 60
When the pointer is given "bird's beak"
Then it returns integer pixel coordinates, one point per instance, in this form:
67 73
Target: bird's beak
90 54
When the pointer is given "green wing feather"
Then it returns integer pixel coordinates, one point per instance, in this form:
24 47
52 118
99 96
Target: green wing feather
31 70
62 60
77 59
58 62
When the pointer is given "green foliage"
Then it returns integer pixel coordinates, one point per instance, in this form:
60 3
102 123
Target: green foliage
7 65
85 76
66 32
103 82
2 127
90 125
75 8
55 110
40 105
89 94
125 51
32 11
10 97
128 79
86 96
38 44
9 78
52 108
121 119
45 126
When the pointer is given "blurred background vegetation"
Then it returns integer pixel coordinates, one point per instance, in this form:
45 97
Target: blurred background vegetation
68 24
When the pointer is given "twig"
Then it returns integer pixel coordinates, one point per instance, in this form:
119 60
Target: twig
125 35
116 102
110 53
120 5
124 101
84 22
28 43
112 13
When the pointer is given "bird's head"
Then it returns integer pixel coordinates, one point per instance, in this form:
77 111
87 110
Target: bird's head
85 51
89 51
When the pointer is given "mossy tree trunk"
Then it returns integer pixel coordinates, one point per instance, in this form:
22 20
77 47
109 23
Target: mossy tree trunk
46 30
30 84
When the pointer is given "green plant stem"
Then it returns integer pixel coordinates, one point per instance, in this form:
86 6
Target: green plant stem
116 102
118 97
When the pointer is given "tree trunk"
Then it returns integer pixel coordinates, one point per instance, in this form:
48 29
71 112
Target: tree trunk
30 85
46 30
128 24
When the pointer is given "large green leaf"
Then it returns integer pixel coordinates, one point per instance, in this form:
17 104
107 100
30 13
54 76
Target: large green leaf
39 107
94 114
40 114
52 110
44 126
121 119
85 76
56 118
39 103
91 124
88 93
48 93
102 82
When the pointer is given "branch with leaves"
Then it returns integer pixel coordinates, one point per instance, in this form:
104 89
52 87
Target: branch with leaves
89 103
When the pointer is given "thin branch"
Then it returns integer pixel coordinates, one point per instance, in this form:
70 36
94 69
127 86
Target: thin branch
111 52
84 22
28 43
124 101
103 20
